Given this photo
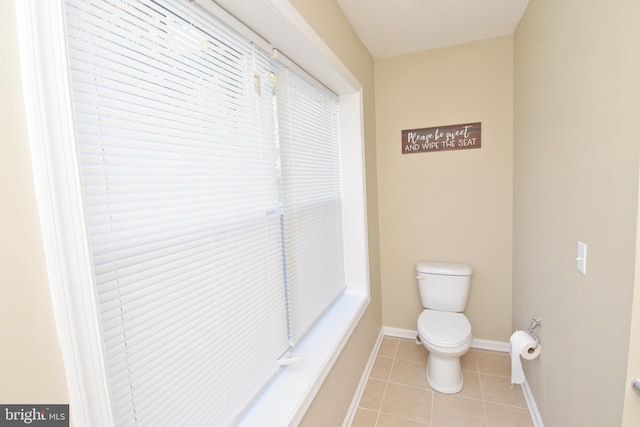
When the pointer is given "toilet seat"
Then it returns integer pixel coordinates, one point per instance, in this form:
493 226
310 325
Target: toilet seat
444 329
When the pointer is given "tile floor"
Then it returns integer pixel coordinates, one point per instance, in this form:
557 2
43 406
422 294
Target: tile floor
397 393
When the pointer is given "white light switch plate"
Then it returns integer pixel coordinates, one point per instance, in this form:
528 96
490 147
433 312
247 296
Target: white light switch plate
581 259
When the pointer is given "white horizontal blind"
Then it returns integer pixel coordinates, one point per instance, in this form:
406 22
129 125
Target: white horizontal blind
176 135
309 140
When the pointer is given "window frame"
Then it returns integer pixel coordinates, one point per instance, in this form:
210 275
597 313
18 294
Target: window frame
49 120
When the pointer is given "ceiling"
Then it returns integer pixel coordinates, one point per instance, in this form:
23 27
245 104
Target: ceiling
398 27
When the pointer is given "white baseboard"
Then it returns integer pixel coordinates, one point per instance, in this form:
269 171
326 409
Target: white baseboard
400 333
531 404
490 345
476 343
351 413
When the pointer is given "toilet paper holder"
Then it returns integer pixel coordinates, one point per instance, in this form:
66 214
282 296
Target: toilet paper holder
532 325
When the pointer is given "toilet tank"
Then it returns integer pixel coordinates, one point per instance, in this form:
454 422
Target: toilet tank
443 286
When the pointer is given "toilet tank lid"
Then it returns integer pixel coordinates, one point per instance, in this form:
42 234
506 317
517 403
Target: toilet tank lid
444 268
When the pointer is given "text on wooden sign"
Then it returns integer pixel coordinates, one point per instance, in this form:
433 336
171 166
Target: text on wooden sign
441 138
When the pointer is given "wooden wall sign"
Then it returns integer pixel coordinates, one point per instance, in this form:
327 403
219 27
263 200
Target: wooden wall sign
441 138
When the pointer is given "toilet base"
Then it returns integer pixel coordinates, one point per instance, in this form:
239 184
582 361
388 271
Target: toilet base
444 374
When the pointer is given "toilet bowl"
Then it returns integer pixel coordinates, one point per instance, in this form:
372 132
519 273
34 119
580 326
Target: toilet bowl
442 327
446 336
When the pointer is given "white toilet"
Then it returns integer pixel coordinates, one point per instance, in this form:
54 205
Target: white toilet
442 328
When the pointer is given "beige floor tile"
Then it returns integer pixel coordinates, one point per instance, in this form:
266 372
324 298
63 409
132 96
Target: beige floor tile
469 360
508 416
409 350
388 347
455 411
471 385
381 368
493 362
409 373
406 402
499 390
365 418
391 421
372 395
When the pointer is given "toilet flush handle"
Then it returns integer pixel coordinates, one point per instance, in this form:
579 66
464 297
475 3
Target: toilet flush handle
635 385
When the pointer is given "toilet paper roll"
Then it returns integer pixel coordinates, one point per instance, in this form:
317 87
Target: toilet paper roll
523 345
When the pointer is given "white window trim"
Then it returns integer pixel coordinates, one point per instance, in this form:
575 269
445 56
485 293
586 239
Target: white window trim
48 113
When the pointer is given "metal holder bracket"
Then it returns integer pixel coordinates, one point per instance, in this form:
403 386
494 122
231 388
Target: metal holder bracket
534 324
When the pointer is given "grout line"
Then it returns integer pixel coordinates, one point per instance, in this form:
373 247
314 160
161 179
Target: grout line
433 402
495 375
480 381
484 405
386 383
411 420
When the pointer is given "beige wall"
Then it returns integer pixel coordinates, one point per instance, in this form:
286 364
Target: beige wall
576 144
31 368
447 206
333 399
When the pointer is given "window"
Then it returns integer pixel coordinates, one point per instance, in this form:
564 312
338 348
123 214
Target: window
308 127
177 148
198 216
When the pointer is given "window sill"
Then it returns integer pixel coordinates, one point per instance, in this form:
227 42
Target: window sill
287 397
